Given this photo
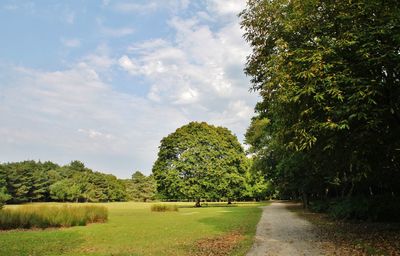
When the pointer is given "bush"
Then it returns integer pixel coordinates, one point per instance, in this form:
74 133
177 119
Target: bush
375 208
164 208
319 206
44 216
350 208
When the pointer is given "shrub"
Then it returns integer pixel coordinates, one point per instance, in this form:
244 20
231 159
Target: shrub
164 208
350 208
319 206
45 216
372 208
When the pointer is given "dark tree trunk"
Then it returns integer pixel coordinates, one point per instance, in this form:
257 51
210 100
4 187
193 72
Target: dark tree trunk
229 201
197 203
305 199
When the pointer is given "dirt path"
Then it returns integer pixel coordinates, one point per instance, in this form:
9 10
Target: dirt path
281 232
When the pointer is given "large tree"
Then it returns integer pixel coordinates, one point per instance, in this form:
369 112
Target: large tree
200 161
328 73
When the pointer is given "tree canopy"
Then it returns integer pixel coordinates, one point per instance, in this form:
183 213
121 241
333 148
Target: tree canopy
140 187
328 73
200 161
31 181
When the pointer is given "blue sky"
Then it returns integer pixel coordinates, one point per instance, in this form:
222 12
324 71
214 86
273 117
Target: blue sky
104 81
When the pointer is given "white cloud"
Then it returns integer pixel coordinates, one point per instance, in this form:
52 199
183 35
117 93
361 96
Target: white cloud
128 65
200 70
226 8
93 134
105 3
134 7
117 32
70 17
71 43
151 6
78 116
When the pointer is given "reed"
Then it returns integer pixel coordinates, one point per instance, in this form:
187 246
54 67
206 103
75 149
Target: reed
26 217
164 208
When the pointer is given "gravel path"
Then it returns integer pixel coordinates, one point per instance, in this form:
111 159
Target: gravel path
281 232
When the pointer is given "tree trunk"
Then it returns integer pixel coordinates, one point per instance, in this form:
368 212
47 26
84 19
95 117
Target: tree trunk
197 203
306 201
229 201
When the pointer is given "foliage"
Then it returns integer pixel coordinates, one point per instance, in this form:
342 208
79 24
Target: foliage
140 187
43 216
328 73
164 208
4 196
200 161
375 208
31 181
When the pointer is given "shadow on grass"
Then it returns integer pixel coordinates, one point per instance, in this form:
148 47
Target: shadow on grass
208 205
39 242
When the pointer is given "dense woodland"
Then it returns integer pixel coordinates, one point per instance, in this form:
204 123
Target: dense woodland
328 126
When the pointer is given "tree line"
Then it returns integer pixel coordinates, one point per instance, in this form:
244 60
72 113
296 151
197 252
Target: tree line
328 126
31 181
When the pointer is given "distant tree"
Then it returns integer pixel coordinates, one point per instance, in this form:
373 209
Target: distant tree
77 166
60 190
40 188
141 187
200 161
36 181
4 196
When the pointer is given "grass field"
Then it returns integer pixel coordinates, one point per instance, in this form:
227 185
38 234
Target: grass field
132 229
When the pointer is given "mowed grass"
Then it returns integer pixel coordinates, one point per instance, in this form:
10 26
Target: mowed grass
133 229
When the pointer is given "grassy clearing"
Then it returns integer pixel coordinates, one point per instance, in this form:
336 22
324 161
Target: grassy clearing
133 229
25 217
354 238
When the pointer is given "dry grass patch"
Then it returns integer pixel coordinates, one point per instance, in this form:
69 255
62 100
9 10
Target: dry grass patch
218 246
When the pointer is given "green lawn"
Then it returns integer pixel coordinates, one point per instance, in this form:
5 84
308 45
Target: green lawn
132 229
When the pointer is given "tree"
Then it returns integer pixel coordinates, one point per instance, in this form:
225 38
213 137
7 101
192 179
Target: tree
200 161
141 187
328 73
60 190
4 196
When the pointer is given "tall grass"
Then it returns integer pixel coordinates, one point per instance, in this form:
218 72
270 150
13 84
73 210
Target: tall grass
55 216
164 208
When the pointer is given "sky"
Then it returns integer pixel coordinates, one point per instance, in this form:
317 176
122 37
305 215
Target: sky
104 81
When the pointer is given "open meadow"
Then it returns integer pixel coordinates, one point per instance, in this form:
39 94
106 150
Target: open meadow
133 229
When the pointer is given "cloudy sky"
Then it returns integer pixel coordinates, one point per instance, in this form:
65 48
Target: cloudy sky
104 81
